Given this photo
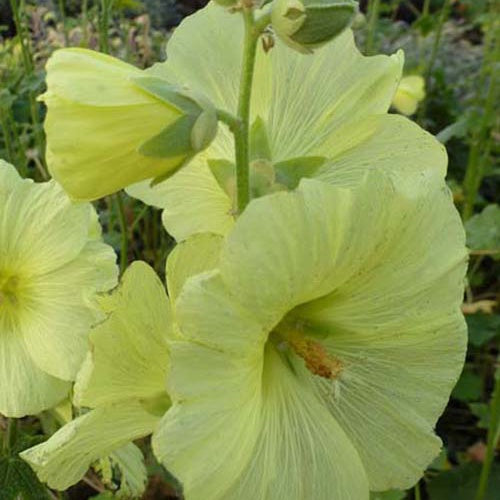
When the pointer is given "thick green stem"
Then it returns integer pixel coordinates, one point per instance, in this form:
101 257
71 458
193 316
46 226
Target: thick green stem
106 6
373 12
418 496
426 7
493 434
124 232
481 137
241 133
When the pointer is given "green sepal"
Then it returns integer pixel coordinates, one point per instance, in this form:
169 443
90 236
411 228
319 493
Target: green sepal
192 132
289 172
260 148
224 173
262 177
173 140
168 93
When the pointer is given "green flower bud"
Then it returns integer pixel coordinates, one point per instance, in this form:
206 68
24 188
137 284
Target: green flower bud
308 24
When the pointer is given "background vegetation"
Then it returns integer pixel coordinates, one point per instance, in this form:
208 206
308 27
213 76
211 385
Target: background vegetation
453 45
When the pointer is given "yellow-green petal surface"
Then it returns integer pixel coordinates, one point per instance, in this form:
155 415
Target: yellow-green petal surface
373 274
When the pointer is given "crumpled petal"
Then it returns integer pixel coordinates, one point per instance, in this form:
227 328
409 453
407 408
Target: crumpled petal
129 357
64 459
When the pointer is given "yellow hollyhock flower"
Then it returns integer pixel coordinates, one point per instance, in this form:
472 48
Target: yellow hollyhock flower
411 91
52 264
320 344
322 116
122 381
109 124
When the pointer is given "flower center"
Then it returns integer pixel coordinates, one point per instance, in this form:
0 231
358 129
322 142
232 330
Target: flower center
316 358
8 290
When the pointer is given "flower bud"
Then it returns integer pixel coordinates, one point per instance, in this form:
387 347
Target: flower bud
110 125
410 92
308 24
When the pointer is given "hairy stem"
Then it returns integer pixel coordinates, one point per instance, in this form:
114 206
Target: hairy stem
106 6
241 133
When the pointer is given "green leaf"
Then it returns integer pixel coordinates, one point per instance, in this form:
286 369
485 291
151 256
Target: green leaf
260 148
483 230
482 328
290 172
18 481
461 483
468 387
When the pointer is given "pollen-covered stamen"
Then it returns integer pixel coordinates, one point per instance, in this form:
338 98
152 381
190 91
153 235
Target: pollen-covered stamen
316 357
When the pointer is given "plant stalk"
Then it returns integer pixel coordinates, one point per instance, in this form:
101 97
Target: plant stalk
124 232
10 436
373 13
106 6
241 133
493 435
